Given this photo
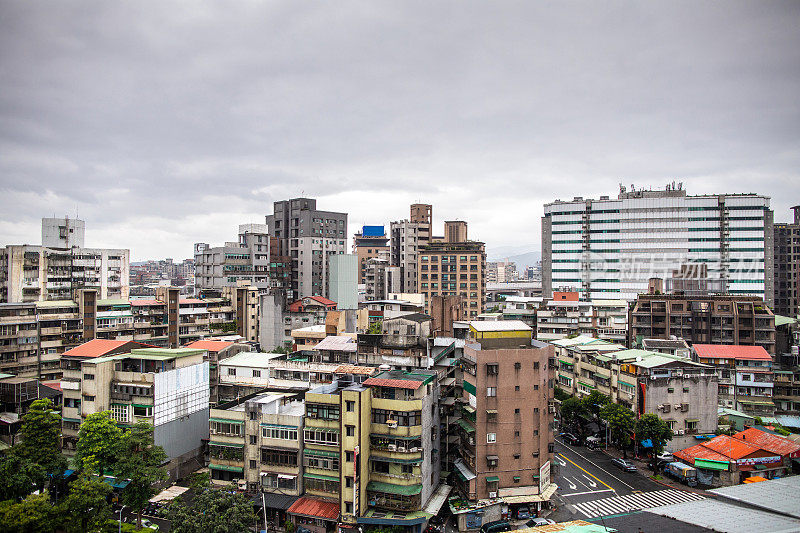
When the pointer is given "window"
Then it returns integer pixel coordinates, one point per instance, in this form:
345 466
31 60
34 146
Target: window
492 369
517 366
516 387
516 479
139 410
88 377
119 412
535 409
226 428
351 431
516 411
536 366
231 371
491 438
348 507
686 389
253 439
88 398
535 432
323 462
348 456
256 373
536 387
253 464
516 433
407 469
322 411
279 432
516 456
348 482
670 389
350 406
253 415
491 391
278 457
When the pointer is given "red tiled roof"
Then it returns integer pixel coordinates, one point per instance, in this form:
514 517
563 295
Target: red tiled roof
728 446
146 302
698 451
210 345
355 369
52 384
315 508
294 307
323 300
95 348
191 301
732 351
396 383
767 441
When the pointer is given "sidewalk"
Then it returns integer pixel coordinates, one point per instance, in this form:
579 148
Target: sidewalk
643 466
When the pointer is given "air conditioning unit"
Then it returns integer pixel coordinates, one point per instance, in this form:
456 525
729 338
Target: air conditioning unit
493 494
660 407
391 423
401 449
392 447
652 378
677 406
681 431
413 449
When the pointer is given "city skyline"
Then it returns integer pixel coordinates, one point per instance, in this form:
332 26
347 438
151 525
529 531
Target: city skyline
162 129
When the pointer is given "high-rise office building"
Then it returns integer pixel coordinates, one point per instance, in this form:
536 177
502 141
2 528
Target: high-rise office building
610 248
369 243
454 268
61 265
407 237
787 266
308 236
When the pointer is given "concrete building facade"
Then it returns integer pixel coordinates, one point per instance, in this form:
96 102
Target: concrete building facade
407 238
787 266
247 259
370 242
609 248
308 236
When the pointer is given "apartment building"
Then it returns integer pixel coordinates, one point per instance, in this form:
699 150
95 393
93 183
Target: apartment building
234 310
402 342
308 236
168 388
787 266
369 243
217 351
244 260
383 432
454 267
380 278
407 238
505 438
61 265
746 378
610 248
726 319
343 281
501 271
561 317
786 394
60 328
258 443
19 339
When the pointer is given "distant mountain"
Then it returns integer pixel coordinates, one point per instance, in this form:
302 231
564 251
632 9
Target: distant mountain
522 260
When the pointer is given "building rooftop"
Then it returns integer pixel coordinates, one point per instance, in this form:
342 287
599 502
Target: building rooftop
499 325
355 369
781 320
337 343
319 328
580 339
414 317
720 516
401 379
251 359
732 351
664 343
210 345
314 508
56 303
782 495
114 302
145 303
770 442
96 348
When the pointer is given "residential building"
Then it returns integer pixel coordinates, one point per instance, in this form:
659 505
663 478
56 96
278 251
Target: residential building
746 378
60 328
308 236
563 316
382 431
168 388
787 266
19 339
247 259
145 276
610 248
217 351
380 278
454 268
522 308
678 347
407 238
610 320
726 319
17 393
496 293
501 271
505 438
258 441
61 265
370 242
402 342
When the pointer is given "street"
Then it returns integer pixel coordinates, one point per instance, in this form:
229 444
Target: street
591 486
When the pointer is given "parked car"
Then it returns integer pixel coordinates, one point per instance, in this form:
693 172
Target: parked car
523 513
625 465
569 438
536 522
666 456
148 523
593 442
495 527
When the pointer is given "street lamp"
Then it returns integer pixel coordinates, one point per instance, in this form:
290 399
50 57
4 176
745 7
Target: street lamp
120 518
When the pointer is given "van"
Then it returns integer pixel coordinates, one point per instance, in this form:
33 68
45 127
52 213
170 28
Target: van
496 527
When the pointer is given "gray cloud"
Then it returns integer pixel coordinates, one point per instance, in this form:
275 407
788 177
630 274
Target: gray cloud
166 123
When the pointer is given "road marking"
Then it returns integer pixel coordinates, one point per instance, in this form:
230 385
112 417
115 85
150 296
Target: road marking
634 502
562 463
591 483
588 492
597 478
572 485
598 467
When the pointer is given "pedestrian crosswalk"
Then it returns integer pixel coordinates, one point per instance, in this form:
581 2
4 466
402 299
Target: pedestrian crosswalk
634 502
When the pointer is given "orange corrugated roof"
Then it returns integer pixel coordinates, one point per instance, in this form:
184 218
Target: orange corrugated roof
733 448
354 369
315 508
52 384
698 451
191 301
210 345
146 302
772 443
95 348
732 351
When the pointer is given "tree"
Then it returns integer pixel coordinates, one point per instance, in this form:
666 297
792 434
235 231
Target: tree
19 477
199 481
140 461
375 328
571 409
650 426
34 514
212 510
98 440
41 438
561 394
86 508
594 402
620 422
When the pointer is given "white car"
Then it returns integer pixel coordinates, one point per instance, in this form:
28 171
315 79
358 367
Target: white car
666 456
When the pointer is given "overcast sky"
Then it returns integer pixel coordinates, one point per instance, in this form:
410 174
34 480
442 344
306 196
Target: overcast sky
163 124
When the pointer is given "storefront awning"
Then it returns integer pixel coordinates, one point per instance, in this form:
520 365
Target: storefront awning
543 497
466 427
710 464
390 488
237 469
464 472
492 479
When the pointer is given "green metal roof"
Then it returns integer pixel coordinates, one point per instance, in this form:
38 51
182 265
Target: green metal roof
710 464
57 303
402 490
754 402
228 444
319 476
466 427
320 453
164 353
781 320
226 420
114 302
492 479
587 385
238 469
